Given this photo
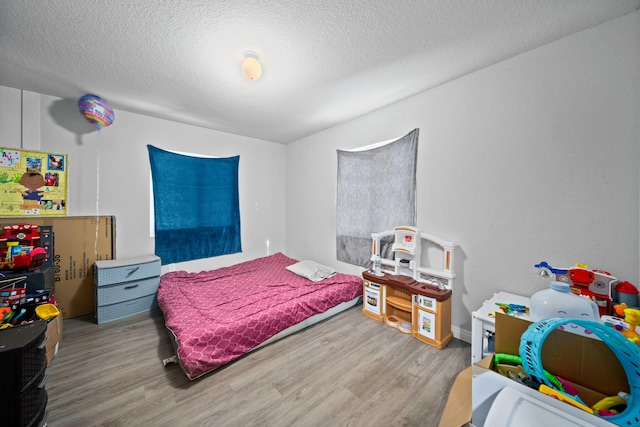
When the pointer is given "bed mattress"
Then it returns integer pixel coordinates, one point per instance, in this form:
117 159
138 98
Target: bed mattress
217 316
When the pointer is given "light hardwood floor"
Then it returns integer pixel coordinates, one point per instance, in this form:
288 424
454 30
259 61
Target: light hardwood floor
346 371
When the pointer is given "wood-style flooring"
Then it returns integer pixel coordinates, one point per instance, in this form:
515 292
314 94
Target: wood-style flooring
346 371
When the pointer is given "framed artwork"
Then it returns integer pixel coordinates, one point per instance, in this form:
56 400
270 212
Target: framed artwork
32 183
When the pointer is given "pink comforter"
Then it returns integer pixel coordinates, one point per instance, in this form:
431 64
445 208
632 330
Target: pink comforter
217 316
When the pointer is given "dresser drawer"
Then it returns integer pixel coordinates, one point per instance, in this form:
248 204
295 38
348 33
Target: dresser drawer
107 313
127 270
106 295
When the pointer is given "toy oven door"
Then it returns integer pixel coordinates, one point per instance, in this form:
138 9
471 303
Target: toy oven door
372 301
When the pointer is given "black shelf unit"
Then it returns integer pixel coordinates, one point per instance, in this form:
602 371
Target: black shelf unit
23 366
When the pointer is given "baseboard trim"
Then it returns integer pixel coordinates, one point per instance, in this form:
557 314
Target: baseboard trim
461 334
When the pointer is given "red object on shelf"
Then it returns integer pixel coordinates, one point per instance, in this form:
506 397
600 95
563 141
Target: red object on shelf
626 287
626 292
27 232
581 276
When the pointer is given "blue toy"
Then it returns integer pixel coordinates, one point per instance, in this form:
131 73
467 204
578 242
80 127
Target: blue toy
627 353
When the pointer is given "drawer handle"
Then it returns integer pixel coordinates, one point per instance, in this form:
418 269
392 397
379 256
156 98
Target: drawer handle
133 271
43 382
131 287
44 342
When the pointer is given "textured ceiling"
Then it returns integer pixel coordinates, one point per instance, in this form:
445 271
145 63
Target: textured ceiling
324 62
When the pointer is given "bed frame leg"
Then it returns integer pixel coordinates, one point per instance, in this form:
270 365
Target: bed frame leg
172 359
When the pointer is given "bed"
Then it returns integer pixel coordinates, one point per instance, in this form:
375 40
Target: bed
216 316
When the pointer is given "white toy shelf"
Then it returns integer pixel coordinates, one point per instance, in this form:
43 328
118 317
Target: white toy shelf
407 252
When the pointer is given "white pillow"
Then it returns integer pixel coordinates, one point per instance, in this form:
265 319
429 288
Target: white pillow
311 270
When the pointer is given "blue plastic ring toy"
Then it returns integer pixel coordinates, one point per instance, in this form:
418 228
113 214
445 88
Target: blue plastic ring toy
627 352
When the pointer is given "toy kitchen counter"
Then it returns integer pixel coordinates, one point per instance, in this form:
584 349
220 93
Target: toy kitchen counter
413 307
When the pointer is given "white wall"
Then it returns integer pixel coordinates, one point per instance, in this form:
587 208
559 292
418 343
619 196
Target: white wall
109 170
19 118
535 158
10 119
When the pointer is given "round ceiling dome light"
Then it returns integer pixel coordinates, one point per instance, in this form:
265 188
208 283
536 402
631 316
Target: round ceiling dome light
251 67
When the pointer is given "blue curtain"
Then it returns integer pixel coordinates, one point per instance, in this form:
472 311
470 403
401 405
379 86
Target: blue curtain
196 203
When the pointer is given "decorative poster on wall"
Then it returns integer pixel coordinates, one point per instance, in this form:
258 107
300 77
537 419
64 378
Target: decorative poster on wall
32 183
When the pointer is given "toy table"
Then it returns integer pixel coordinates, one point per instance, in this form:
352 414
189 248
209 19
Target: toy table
482 321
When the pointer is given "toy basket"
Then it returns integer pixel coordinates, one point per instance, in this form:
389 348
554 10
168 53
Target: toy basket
47 311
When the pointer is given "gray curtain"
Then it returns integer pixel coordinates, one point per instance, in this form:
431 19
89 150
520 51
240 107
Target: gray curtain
376 191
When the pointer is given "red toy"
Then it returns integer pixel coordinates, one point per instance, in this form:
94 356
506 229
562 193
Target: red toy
593 284
21 252
12 296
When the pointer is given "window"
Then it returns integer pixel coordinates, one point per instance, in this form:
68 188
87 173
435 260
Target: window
196 206
376 191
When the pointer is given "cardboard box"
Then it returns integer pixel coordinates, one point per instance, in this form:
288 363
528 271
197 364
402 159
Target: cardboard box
77 243
54 338
588 364
457 411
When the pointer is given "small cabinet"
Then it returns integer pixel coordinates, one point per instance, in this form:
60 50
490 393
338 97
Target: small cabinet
124 287
432 319
483 323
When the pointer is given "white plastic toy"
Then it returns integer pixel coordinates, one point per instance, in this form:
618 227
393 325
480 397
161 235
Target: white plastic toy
594 284
407 256
559 301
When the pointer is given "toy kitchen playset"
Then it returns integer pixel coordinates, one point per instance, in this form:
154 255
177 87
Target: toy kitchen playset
404 294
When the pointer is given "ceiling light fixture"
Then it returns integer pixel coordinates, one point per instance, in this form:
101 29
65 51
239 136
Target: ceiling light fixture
251 67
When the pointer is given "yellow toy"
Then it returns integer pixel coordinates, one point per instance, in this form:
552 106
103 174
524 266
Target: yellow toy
628 327
47 311
632 317
607 403
564 397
